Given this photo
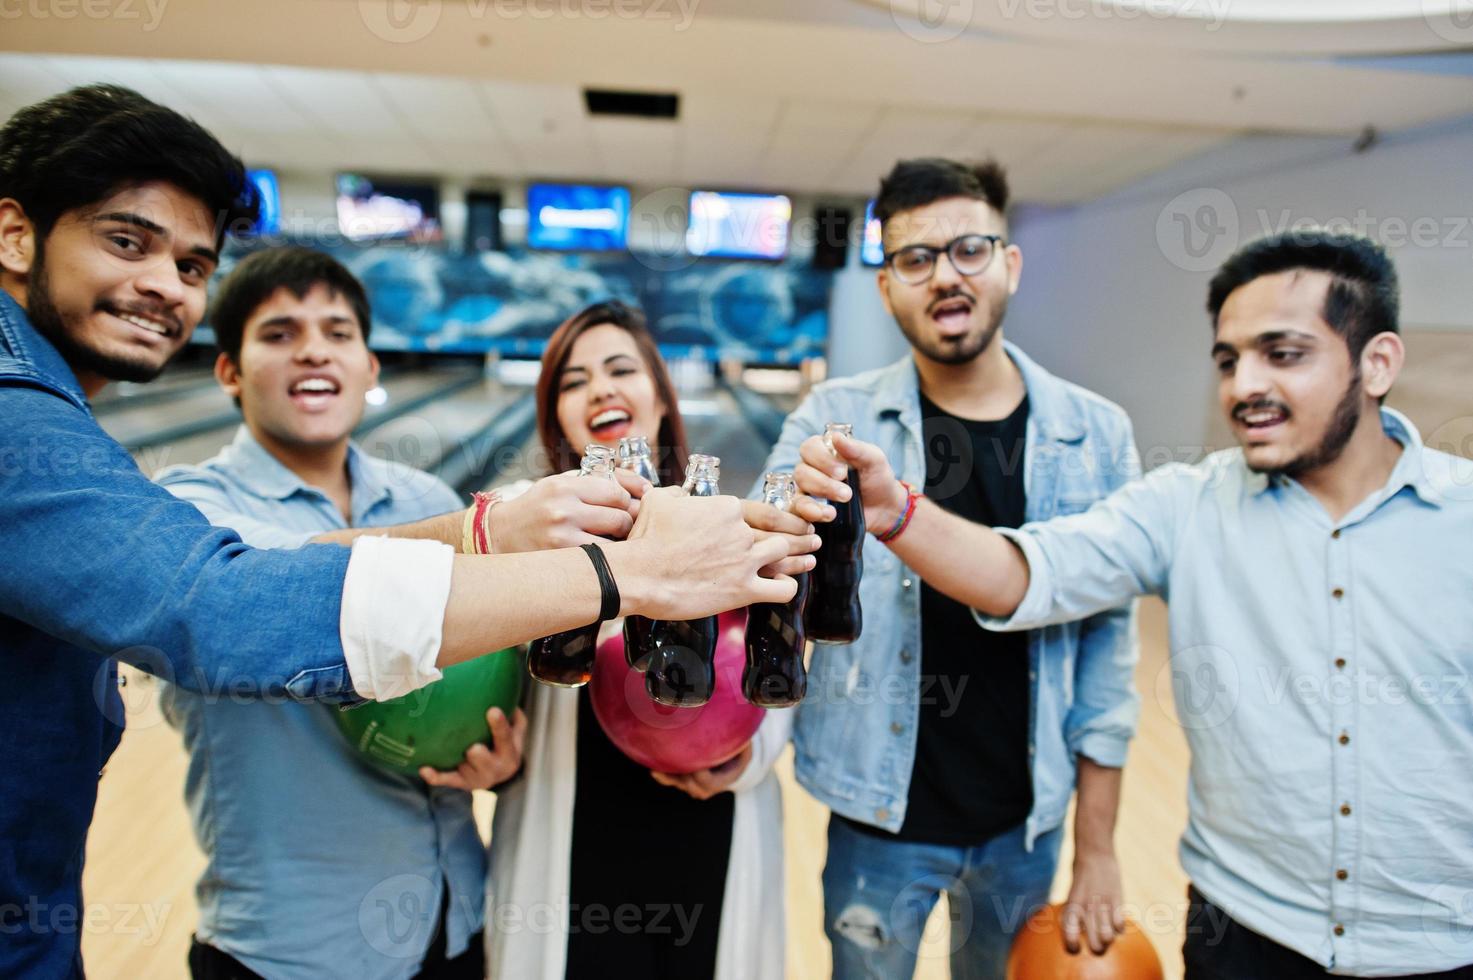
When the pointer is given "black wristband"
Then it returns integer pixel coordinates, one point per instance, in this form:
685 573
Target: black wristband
609 609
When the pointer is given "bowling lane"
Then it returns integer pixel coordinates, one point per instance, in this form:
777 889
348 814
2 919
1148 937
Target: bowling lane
442 436
185 446
173 383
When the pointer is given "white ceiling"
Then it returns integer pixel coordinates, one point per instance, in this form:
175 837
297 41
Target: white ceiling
822 100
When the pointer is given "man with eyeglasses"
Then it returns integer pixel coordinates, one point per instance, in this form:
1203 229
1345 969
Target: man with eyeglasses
945 773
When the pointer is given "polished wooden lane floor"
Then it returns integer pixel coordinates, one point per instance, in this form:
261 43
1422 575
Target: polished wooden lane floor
142 859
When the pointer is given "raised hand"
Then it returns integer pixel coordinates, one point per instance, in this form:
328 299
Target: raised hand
821 474
694 556
565 511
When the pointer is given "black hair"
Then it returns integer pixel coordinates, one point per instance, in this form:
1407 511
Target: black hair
916 183
261 274
1363 299
80 147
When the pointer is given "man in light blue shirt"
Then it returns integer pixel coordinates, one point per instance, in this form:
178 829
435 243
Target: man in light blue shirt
1321 629
319 862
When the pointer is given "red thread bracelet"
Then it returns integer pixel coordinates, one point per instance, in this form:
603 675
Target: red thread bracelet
912 496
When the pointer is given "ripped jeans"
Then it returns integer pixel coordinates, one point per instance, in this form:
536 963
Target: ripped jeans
878 893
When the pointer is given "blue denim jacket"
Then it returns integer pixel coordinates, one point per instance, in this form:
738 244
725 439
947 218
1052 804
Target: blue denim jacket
855 733
96 562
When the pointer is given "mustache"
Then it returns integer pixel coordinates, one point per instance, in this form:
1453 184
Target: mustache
951 294
148 310
1263 405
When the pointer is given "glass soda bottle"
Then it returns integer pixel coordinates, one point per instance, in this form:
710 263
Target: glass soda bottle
774 676
634 455
566 659
833 614
682 664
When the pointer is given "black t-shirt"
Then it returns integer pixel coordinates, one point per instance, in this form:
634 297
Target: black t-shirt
971 778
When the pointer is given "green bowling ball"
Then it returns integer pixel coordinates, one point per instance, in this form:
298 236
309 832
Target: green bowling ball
434 725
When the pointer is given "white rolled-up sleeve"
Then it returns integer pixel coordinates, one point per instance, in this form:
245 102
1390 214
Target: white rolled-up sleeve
393 612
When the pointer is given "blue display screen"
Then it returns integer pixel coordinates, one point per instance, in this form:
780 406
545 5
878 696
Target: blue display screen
739 226
577 217
872 251
268 201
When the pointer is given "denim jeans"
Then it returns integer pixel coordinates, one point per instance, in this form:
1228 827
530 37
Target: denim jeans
878 893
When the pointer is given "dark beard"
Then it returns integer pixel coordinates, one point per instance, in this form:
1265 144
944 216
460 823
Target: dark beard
82 359
1336 438
969 349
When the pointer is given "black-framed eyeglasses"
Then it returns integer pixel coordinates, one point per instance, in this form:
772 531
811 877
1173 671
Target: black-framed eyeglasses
969 255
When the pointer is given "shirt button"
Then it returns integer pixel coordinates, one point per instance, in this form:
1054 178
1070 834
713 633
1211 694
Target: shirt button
882 814
1339 929
1338 593
1344 738
896 728
1345 809
906 657
1342 874
906 583
1340 662
1335 534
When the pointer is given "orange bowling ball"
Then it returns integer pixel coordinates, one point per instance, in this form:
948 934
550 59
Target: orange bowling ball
1039 953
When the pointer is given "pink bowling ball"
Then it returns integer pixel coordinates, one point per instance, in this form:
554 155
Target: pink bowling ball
676 740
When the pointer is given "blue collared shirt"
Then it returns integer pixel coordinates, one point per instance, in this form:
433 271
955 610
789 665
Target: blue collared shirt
96 562
319 863
855 732
1320 669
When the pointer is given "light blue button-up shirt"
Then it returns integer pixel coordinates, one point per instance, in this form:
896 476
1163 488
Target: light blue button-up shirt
1320 669
319 863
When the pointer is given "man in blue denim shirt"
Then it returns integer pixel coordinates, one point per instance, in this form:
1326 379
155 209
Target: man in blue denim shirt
372 852
1321 634
112 213
946 772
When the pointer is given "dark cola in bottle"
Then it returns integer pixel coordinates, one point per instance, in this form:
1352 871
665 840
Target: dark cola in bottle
774 676
682 664
634 455
832 614
566 659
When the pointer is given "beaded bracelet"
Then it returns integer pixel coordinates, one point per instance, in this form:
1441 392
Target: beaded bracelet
912 497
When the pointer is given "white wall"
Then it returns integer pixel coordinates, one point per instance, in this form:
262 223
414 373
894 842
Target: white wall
1113 291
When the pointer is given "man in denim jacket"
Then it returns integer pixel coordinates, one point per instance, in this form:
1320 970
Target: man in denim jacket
112 213
946 771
